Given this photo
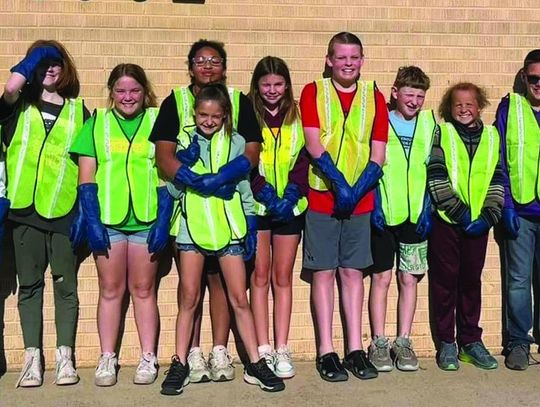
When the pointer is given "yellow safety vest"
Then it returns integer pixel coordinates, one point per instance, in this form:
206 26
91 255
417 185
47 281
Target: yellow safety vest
185 103
40 170
347 140
403 184
278 156
523 150
213 223
470 180
126 173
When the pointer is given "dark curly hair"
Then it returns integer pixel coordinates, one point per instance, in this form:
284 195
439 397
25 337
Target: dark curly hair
445 107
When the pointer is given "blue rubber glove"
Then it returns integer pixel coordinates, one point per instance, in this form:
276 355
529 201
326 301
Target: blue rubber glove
465 219
185 177
250 242
268 197
4 209
343 192
29 63
510 221
77 230
225 192
191 154
378 220
424 223
478 227
158 237
368 179
98 238
285 206
231 172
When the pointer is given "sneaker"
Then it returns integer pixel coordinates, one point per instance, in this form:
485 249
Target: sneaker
358 363
284 365
266 352
147 370
260 374
330 368
177 378
32 372
518 357
379 354
220 364
477 354
404 356
447 357
106 370
65 372
198 369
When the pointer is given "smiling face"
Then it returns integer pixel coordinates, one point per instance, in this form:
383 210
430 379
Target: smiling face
532 79
209 117
128 97
272 87
409 101
345 63
206 67
48 73
465 108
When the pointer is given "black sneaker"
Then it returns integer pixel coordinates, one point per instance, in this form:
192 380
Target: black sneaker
330 368
357 362
177 378
260 374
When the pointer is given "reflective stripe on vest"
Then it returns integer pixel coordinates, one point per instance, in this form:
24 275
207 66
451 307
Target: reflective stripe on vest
469 180
39 167
212 222
347 140
523 150
185 101
403 184
278 156
126 173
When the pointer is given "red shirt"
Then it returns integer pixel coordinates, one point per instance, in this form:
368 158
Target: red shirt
323 202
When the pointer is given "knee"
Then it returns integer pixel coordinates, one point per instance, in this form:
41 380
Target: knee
239 301
407 281
382 280
189 299
283 279
142 290
261 278
111 292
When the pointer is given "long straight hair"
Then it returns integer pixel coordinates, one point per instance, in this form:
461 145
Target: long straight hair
277 66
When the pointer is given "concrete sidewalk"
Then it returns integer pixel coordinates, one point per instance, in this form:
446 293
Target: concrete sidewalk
429 386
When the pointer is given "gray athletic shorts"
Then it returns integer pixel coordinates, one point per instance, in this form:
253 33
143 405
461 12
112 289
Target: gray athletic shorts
330 243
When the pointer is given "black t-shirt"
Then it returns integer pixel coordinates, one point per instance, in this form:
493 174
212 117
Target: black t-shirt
167 125
9 116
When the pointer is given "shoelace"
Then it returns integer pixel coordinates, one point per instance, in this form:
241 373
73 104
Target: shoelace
176 371
263 370
104 366
222 359
196 361
64 365
29 369
381 348
147 366
283 355
404 350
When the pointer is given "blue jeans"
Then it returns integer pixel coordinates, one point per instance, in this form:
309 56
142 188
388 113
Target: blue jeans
521 255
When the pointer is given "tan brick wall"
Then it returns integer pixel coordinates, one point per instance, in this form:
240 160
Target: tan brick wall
484 43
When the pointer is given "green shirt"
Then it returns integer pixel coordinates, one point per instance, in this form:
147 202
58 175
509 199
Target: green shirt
84 145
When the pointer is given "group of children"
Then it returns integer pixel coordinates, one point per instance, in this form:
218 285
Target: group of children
236 180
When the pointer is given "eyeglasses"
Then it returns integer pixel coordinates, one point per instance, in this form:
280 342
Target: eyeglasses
201 61
533 79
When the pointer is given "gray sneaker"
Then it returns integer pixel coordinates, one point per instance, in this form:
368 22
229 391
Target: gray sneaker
518 357
447 357
379 354
404 356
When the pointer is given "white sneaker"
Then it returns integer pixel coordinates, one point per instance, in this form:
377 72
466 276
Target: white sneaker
220 364
106 370
269 355
284 365
32 372
147 370
65 371
198 369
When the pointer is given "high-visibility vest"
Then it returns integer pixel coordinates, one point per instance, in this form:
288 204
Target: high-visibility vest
278 156
347 140
404 180
470 180
523 150
39 167
213 223
126 173
185 104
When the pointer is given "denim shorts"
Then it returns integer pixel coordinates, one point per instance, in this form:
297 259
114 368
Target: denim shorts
138 237
231 250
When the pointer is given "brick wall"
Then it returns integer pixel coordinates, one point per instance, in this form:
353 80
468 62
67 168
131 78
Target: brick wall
484 44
